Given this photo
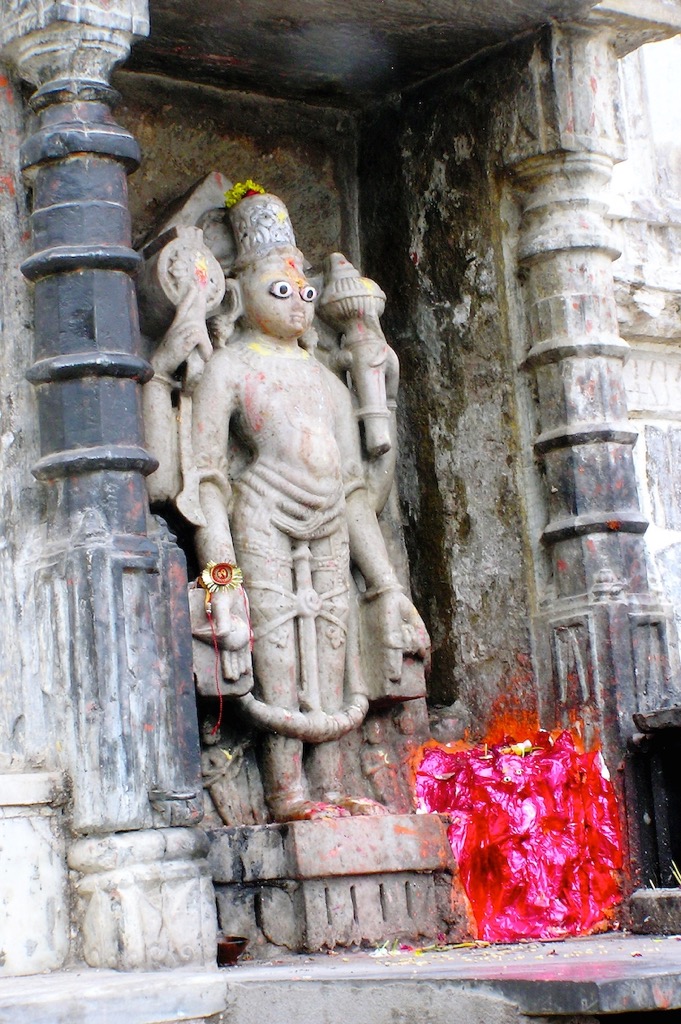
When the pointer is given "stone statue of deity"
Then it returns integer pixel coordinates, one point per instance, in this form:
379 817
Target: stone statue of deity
279 456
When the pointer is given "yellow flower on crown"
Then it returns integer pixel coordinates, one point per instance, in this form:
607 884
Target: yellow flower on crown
241 189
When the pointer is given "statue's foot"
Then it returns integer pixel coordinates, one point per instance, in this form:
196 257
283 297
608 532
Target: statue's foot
359 805
309 810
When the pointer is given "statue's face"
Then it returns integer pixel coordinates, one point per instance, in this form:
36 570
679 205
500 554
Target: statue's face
277 298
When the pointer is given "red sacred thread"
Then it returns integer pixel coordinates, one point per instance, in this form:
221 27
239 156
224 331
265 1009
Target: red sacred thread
209 616
213 632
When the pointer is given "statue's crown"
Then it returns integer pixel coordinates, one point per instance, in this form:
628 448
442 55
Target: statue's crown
260 222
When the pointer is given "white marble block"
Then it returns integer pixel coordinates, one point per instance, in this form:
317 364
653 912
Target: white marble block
33 901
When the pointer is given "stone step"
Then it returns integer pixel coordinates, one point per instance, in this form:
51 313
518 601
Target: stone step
503 984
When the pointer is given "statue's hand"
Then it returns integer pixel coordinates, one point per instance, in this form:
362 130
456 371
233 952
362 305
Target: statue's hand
233 632
187 332
402 632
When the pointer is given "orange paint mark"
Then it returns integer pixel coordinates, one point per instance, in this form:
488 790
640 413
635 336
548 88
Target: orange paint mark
511 720
9 93
614 524
148 727
514 712
662 995
561 565
7 185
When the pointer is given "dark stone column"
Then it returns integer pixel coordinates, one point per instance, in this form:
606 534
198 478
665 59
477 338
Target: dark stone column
110 581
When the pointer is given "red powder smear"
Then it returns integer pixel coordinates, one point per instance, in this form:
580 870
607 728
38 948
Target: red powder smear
536 837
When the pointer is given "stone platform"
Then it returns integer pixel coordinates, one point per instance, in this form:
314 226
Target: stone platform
339 882
511 984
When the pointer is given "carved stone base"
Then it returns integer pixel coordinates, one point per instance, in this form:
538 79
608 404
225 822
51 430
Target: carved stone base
310 885
144 899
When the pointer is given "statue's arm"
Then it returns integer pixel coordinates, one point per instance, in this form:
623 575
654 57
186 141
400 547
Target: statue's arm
367 546
214 403
400 626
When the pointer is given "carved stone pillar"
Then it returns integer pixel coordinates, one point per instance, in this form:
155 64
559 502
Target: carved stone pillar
605 641
116 658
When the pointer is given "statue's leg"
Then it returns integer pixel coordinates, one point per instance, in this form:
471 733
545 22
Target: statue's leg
331 579
265 557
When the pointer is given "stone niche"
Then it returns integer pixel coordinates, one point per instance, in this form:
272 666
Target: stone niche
302 885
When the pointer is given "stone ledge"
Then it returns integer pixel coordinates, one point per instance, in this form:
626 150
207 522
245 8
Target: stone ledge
26 789
109 997
656 912
606 974
504 984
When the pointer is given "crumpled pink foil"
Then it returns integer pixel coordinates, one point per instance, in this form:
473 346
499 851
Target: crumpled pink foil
536 836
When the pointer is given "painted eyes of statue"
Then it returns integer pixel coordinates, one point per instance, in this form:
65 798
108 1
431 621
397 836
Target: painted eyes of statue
284 290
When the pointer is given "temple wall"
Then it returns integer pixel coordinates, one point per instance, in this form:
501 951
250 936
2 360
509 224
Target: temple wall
415 190
432 233
473 494
646 211
305 154
24 740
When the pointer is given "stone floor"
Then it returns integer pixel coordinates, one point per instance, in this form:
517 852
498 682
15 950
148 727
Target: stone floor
607 974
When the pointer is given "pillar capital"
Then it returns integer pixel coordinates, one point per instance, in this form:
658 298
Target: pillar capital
24 17
568 100
632 23
70 41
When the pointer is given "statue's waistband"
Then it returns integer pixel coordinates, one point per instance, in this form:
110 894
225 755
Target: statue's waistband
297 512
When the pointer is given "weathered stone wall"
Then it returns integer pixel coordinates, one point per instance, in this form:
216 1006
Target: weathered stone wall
304 154
431 223
646 211
431 215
